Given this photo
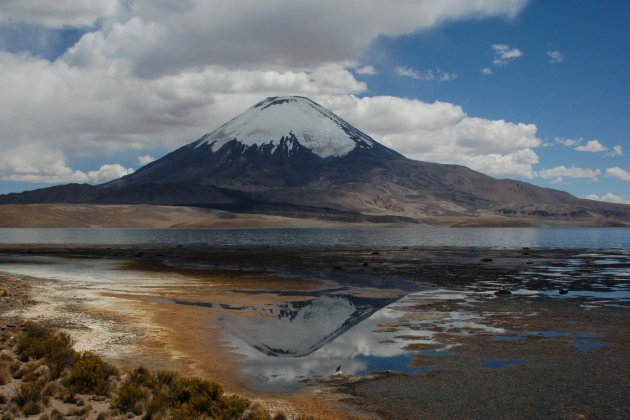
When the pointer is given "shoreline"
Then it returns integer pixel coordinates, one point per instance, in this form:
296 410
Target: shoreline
145 330
514 319
157 216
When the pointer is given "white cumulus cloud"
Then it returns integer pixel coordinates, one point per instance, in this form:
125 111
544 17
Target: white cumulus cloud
608 197
567 142
425 75
616 151
571 172
366 71
593 146
556 57
107 173
39 163
503 54
443 132
145 159
619 173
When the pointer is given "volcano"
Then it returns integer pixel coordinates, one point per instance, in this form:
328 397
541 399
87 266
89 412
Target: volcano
290 156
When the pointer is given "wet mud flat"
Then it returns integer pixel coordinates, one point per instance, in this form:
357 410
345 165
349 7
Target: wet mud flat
419 332
551 360
403 267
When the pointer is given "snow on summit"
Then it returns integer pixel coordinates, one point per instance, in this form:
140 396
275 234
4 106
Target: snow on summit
312 125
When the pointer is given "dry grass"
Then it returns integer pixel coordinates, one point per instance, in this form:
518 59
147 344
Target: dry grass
50 369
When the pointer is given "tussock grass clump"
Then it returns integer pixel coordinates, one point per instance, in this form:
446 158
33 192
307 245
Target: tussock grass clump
165 394
37 342
90 375
130 398
6 356
18 370
29 397
5 372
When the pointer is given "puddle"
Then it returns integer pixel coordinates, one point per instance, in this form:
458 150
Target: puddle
434 352
586 345
560 334
399 364
502 364
508 338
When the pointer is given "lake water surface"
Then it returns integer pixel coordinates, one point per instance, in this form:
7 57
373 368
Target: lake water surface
297 336
594 238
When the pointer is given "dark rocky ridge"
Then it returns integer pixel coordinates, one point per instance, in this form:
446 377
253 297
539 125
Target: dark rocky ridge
283 176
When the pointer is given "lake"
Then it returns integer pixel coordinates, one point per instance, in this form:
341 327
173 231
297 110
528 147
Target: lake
287 336
593 238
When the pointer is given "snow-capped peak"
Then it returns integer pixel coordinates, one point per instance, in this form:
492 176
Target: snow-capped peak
312 125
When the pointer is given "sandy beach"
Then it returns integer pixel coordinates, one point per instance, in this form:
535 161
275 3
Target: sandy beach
468 350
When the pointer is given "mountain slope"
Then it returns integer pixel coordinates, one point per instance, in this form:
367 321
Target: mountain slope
289 155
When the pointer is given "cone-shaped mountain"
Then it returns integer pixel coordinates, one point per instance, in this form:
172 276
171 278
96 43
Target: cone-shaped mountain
289 155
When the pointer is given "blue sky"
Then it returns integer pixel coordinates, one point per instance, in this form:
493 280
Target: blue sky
532 90
583 94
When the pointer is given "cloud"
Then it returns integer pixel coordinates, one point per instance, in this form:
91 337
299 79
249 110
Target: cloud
572 172
39 163
608 197
145 160
503 54
58 13
486 70
567 142
445 76
366 71
616 151
426 75
107 173
592 146
556 57
106 110
619 173
443 132
106 113
414 74
157 74
163 38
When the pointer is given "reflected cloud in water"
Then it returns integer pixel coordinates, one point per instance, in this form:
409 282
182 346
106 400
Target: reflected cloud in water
288 344
292 342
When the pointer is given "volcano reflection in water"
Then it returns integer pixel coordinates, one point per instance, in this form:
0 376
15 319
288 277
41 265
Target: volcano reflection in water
289 343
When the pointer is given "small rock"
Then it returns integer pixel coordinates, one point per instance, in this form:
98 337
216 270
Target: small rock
365 264
336 267
486 259
503 292
563 291
338 371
